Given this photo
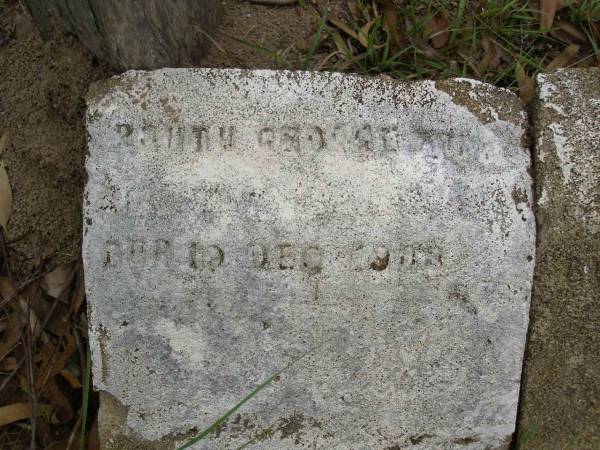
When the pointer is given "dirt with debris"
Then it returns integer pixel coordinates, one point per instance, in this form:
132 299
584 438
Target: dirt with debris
42 86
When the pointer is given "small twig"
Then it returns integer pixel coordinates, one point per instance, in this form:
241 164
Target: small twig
12 374
49 315
5 256
30 378
218 46
41 328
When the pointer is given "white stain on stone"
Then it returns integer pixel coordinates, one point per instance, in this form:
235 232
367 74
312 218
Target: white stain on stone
563 151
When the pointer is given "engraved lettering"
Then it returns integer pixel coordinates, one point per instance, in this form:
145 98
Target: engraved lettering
290 139
214 257
202 139
283 256
227 137
266 136
205 257
114 254
124 129
175 137
163 252
389 138
380 259
193 250
257 255
314 139
364 138
359 256
287 256
340 138
312 259
137 252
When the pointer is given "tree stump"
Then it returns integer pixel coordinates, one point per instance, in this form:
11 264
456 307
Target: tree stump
134 34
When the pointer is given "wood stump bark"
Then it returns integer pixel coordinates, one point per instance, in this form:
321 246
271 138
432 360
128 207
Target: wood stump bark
134 34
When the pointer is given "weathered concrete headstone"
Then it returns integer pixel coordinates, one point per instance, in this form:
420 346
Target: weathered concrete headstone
236 221
561 388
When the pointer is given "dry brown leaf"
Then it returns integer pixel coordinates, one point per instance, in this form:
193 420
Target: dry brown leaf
363 34
19 411
27 314
548 10
56 282
59 321
11 336
62 407
390 24
7 291
491 55
6 198
354 10
72 379
79 294
343 26
563 58
526 84
437 30
8 364
340 44
566 31
54 361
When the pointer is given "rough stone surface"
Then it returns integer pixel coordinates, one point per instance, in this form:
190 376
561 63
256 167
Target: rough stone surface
561 386
378 236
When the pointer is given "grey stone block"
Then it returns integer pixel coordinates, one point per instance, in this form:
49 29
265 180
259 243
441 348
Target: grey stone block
376 235
561 385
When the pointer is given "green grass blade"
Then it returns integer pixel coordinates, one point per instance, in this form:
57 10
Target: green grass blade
86 397
243 446
225 416
248 397
315 40
457 22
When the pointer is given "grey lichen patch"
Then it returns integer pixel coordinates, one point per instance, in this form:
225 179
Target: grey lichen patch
519 195
134 84
290 428
487 102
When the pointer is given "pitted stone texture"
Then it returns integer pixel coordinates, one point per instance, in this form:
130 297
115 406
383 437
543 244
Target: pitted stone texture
235 221
561 386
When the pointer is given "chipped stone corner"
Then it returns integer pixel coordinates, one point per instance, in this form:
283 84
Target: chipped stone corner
130 84
487 102
114 434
